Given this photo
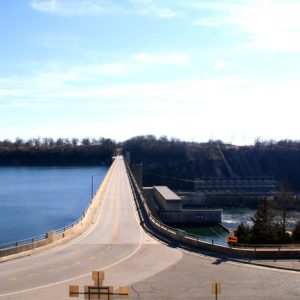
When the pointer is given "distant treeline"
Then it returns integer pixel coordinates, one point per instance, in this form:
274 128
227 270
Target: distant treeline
174 162
166 161
60 152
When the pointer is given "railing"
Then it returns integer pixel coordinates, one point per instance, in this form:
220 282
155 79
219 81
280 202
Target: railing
267 246
44 236
23 242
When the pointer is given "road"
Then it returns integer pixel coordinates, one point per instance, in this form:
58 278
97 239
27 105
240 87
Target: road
117 244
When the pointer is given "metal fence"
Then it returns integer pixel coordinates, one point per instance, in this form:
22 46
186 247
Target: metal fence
31 240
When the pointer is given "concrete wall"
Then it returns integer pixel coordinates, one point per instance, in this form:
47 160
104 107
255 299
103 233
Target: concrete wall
192 217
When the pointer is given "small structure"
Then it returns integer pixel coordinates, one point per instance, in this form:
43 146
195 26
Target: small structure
98 290
169 207
167 199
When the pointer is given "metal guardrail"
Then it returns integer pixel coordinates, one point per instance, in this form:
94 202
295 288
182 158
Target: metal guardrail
23 242
31 240
268 246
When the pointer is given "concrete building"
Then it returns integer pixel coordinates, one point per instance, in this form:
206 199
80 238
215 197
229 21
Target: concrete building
167 199
169 207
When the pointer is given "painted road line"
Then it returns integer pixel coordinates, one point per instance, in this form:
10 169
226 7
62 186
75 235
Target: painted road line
12 279
34 274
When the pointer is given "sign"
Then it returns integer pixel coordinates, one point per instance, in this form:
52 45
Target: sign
98 290
180 233
231 231
231 239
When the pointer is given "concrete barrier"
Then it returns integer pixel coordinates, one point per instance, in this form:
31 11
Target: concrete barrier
69 232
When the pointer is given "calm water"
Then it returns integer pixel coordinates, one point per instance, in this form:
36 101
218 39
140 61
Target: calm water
34 200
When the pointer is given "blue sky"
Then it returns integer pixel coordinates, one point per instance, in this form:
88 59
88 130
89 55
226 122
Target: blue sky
190 69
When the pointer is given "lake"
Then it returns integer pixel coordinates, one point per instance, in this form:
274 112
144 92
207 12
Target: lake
35 200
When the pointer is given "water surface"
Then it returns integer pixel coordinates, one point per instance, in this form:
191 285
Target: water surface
35 200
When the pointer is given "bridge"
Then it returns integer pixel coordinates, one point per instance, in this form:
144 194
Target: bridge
117 244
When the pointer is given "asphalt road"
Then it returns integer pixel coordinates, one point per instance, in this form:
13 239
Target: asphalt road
117 244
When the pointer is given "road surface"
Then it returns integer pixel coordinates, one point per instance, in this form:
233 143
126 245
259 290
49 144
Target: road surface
117 244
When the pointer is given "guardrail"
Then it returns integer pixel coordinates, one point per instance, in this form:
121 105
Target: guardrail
70 230
267 246
23 242
44 236
191 240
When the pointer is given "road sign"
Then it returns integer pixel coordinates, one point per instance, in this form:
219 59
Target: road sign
98 290
231 231
180 233
231 239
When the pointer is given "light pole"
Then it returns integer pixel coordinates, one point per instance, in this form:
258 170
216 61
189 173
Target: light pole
92 184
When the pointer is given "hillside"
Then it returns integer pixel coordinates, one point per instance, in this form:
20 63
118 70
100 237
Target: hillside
167 161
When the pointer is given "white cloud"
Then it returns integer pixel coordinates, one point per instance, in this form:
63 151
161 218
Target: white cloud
150 7
74 7
58 40
81 73
272 25
99 7
219 65
176 58
13 92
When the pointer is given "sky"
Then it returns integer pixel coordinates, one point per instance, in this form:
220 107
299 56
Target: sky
189 69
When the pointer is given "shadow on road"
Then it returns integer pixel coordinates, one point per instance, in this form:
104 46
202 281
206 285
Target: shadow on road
219 261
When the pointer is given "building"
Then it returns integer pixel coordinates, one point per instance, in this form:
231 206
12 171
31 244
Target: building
169 208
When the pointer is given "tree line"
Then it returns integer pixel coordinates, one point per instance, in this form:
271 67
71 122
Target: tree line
51 152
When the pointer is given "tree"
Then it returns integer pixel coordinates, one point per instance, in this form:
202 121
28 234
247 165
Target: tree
266 229
85 141
263 230
244 234
283 201
75 142
18 143
296 233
